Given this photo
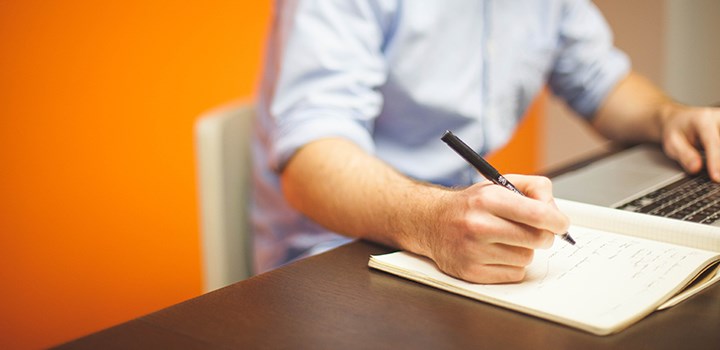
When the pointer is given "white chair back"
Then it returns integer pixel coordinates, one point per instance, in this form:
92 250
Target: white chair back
222 141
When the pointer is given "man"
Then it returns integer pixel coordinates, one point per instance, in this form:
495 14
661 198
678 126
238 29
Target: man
357 94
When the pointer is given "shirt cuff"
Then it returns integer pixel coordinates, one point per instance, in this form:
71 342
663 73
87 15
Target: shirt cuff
303 129
599 86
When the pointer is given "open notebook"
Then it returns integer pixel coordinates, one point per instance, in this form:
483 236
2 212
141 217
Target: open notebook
624 266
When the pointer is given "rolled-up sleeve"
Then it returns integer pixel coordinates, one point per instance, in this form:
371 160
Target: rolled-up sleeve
330 70
588 65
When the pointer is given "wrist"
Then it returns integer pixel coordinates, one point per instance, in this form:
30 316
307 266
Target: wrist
666 111
428 216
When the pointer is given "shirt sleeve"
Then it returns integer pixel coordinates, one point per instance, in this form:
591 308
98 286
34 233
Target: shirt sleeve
588 66
331 67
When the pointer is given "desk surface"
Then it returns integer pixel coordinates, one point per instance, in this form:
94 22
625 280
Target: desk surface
335 301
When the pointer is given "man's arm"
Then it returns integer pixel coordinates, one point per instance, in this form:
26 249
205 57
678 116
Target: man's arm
483 233
637 111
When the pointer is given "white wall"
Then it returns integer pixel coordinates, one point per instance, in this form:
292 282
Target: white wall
675 43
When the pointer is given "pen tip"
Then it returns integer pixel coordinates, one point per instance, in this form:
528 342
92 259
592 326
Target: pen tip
568 239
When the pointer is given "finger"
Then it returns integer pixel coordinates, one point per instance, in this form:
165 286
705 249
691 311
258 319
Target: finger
536 187
490 274
493 229
527 211
710 139
678 147
503 254
540 188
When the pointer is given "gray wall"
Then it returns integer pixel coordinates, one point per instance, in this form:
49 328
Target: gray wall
692 51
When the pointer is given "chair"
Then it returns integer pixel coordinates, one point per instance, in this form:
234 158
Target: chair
223 156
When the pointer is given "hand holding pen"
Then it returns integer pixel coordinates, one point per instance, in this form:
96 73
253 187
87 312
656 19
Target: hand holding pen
487 170
484 233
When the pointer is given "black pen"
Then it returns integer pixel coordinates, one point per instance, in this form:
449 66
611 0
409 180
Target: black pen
487 170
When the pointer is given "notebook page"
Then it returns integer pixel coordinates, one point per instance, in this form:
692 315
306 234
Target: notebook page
602 284
642 225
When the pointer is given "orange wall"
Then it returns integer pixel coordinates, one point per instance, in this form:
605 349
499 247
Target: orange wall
98 213
523 154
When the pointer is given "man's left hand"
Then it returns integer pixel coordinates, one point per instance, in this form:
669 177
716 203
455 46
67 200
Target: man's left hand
689 131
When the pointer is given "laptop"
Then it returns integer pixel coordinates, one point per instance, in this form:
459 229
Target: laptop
642 179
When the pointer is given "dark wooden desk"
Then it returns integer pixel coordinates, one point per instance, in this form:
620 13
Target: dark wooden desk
334 301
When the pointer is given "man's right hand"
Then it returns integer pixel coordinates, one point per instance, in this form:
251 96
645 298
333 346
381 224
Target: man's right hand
488 234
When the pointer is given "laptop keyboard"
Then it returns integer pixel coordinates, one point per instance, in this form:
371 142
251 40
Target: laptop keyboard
695 199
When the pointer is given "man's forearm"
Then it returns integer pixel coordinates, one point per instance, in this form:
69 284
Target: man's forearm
348 191
633 111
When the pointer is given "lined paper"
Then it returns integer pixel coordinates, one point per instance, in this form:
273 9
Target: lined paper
602 284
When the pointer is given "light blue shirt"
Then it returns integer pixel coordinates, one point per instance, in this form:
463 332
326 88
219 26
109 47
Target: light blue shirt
392 76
